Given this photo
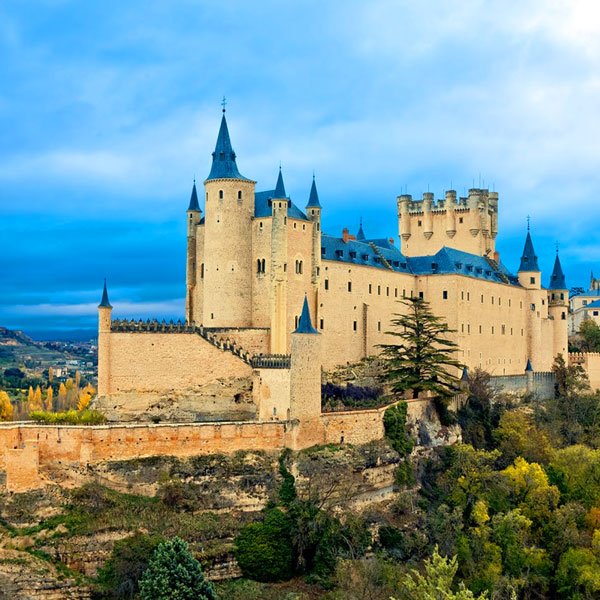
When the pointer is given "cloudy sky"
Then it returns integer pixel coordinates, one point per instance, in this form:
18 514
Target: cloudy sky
108 110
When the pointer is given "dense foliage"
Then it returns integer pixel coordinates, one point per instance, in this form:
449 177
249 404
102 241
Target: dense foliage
588 339
174 574
342 397
69 417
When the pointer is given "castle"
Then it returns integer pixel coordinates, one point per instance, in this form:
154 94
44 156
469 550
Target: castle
254 258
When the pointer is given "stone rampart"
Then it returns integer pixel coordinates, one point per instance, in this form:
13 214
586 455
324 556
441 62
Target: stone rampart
590 361
254 340
539 384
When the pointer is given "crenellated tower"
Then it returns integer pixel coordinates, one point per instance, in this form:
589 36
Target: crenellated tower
558 308
227 240
279 259
469 224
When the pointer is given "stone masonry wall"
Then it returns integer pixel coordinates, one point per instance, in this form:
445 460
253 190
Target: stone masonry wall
160 362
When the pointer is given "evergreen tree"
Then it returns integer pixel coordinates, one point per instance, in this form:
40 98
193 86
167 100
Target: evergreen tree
174 574
424 358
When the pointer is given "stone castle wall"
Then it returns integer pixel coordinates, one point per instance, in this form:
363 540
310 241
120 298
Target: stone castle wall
590 361
167 362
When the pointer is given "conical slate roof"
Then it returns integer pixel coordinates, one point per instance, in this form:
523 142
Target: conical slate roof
224 165
557 279
313 198
529 366
360 236
194 199
305 323
104 303
529 261
279 187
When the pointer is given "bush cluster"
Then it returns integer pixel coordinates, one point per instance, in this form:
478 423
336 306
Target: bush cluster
69 417
340 397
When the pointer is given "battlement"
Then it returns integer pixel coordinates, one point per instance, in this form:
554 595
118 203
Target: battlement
468 223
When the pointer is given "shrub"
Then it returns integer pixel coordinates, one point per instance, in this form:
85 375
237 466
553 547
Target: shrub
351 396
394 423
173 573
264 550
121 574
69 417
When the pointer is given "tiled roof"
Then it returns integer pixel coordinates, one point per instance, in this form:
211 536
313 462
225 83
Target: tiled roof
378 252
262 207
594 304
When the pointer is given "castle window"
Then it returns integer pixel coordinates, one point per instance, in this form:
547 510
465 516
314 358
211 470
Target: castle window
354 325
492 299
521 304
352 254
349 286
462 327
532 280
298 267
421 295
365 257
434 266
339 253
470 268
468 328
285 220
220 194
260 265
480 331
322 251
468 296
295 225
595 313
403 265
511 331
462 295
481 298
207 196
445 294
296 322
509 303
260 224
202 271
533 307
378 325
285 267
318 271
379 290
419 223
387 291
585 303
370 288
326 282
521 333
543 302
321 324
239 194
503 329
460 219
562 296
492 330
395 292
404 293
303 227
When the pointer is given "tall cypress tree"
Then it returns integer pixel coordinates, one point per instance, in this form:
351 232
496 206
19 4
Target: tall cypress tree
424 359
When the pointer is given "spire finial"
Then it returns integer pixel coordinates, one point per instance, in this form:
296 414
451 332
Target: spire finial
528 222
557 248
224 103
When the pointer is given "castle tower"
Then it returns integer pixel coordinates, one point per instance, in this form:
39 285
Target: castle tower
558 308
194 215
227 247
104 318
305 370
279 277
469 224
530 276
360 235
313 210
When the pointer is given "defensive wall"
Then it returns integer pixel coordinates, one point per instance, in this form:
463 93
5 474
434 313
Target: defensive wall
541 385
590 361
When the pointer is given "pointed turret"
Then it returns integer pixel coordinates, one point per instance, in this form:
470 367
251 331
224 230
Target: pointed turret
529 367
360 236
313 198
529 260
305 323
194 205
224 165
557 279
104 303
279 187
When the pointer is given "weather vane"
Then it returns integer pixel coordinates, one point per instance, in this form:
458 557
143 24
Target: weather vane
224 103
528 219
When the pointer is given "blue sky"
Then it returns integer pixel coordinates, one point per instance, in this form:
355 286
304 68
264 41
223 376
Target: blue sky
109 109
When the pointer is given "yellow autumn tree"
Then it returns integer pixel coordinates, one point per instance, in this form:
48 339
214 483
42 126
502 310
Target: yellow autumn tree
50 374
49 401
85 396
6 407
62 396
30 395
77 379
37 398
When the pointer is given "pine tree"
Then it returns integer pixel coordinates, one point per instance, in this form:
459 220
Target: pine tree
174 574
49 401
424 358
6 407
